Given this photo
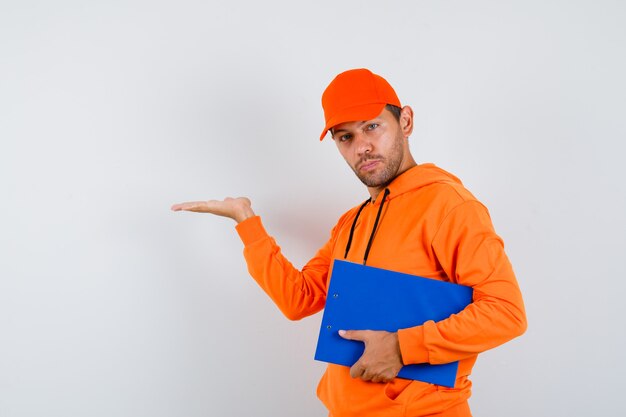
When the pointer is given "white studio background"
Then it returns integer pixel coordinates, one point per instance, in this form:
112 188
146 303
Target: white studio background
110 112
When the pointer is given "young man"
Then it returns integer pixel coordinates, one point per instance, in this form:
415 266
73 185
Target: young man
418 220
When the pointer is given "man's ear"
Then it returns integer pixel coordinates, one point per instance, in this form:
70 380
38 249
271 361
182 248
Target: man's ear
406 121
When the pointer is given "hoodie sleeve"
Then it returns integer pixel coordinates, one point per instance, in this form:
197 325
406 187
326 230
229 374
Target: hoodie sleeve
296 293
470 252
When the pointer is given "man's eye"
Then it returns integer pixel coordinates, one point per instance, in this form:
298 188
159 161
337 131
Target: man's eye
372 126
345 137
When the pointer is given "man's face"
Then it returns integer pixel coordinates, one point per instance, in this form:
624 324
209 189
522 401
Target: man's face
376 150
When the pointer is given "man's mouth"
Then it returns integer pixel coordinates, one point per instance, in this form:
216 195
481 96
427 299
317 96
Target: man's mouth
369 165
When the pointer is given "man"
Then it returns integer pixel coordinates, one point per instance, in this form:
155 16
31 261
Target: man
418 220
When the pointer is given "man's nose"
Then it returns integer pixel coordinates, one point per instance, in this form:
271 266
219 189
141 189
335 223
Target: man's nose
363 143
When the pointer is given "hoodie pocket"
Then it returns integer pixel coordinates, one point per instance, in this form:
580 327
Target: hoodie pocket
397 389
410 394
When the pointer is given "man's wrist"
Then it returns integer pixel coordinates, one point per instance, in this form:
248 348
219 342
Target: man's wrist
397 345
244 214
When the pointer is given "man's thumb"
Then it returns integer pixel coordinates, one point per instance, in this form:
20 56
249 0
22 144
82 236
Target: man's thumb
352 334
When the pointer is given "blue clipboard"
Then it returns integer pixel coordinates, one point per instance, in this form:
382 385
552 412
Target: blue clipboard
362 297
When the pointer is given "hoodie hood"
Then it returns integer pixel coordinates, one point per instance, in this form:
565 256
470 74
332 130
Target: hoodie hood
417 177
412 179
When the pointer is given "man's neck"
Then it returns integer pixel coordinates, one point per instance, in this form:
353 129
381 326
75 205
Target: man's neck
375 191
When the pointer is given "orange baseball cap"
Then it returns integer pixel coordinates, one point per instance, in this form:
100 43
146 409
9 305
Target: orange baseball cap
356 95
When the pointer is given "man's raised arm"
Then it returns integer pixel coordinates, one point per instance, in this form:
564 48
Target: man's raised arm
296 293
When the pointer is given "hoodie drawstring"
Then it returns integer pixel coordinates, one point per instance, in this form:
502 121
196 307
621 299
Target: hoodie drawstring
371 239
358 213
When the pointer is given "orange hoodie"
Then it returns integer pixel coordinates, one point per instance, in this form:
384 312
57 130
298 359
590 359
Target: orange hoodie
430 226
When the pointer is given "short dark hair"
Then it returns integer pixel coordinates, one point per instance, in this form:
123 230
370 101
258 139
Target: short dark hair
395 110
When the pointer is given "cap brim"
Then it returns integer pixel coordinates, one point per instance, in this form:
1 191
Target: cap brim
354 114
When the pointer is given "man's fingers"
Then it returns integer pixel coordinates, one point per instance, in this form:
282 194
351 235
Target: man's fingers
210 206
190 205
378 378
356 371
364 373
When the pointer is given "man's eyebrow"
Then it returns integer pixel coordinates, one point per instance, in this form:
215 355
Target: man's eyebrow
361 123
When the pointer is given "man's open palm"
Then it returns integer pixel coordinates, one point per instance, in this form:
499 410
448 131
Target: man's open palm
238 209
